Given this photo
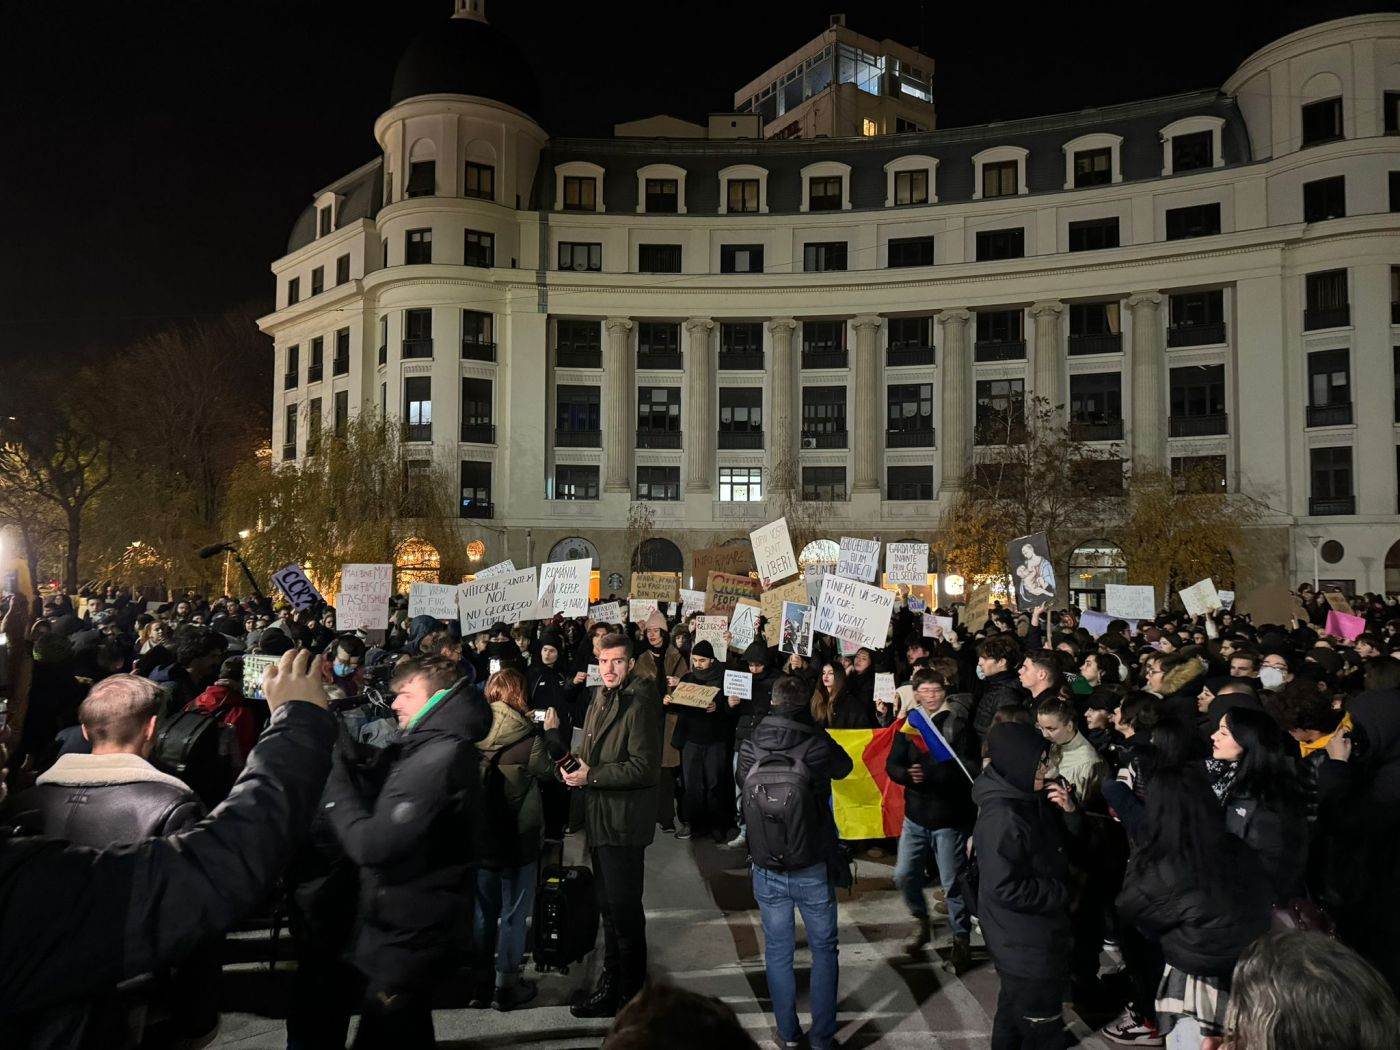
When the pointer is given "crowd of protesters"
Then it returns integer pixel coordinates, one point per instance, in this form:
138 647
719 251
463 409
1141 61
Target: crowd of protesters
1124 817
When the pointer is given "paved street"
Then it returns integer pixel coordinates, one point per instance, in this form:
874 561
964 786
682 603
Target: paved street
704 933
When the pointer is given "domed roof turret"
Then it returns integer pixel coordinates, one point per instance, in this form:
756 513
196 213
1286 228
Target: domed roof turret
466 55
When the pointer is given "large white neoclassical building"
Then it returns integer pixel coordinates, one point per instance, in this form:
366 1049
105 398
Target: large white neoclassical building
1208 282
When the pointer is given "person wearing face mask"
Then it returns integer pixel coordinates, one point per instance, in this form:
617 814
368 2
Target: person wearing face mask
997 659
343 668
1274 672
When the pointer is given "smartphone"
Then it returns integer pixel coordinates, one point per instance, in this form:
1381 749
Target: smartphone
569 762
495 665
538 716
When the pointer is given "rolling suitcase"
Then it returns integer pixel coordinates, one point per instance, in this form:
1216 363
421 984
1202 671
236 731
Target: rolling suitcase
566 916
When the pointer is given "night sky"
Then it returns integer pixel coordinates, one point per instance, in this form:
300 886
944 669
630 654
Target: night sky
156 152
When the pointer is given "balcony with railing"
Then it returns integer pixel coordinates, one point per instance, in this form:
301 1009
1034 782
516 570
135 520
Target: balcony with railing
1206 333
1081 343
1321 506
418 432
905 356
999 350
578 438
827 439
476 350
341 366
578 357
1106 430
658 439
826 357
662 359
289 452
1200 426
741 360
417 348
999 432
741 439
909 438
315 373
477 508
479 433
1327 317
289 381
1329 415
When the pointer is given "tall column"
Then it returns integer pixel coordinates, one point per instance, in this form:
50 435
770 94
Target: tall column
868 405
782 428
619 378
1149 433
698 420
955 428
1049 381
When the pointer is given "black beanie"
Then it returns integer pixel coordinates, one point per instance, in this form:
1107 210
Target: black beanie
703 648
1016 750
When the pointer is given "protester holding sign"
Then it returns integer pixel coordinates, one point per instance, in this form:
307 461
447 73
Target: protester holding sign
701 735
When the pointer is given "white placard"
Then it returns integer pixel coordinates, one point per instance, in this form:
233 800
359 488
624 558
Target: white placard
363 601
639 610
907 563
711 629
571 580
595 676
692 602
300 591
933 625
813 574
607 612
884 686
438 600
501 568
1227 599
1201 598
795 635
860 559
738 684
743 624
1130 601
507 599
854 612
772 552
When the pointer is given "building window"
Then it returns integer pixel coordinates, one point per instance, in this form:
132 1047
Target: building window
1395 362
383 401
1093 235
478 342
1329 388
658 484
1001 244
911 251
1199 220
999 179
581 256
316 366
340 364
580 193
417 247
1332 491
741 417
1198 401
911 187
1322 121
293 291
479 249
289 434
741 484
741 345
909 415
1096 406
578 344
1327 303
823 344
1193 151
1001 336
578 416
658 344
823 417
659 417
422 179
342 269
341 412
1000 412
910 341
824 193
313 426
1325 199
909 483
741 258
418 408
324 220
1093 167
1391 106
662 196
824 256
417 333
1095 328
824 484
1196 318
1200 474
658 258
480 181
1394 191
476 411
742 196
290 377
575 482
384 339
318 280
476 489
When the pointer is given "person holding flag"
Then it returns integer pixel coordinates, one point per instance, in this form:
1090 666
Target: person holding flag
931 755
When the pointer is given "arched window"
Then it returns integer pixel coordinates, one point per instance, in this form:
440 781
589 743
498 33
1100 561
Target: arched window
1093 566
657 555
1392 569
416 561
820 552
574 548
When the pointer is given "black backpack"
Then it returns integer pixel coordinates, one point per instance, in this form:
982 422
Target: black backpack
783 814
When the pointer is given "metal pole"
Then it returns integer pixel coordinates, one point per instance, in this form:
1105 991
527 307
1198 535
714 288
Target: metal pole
1316 585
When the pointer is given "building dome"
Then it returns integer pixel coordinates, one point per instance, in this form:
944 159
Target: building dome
466 56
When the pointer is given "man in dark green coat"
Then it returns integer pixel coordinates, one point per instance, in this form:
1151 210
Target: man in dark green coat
619 762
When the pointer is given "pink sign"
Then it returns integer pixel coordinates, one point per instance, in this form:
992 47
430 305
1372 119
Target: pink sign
1344 625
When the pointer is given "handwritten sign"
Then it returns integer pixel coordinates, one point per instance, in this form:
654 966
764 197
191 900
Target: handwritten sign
796 635
771 603
772 551
743 623
884 686
1337 601
916 604
1200 598
691 602
978 607
300 591
501 568
812 576
724 589
606 612
738 684
658 586
639 610
692 694
507 599
712 629
595 676
1130 601
570 580
907 563
363 602
859 560
438 600
854 612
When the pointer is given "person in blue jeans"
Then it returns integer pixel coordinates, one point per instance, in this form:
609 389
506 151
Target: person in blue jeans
785 770
938 814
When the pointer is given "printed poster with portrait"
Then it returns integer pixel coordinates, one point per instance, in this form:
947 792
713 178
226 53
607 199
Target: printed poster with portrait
1032 574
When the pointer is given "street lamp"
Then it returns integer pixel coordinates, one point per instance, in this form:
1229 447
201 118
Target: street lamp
1315 540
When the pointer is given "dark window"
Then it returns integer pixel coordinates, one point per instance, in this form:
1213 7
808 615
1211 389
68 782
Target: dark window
580 193
999 179
1394 191
824 194
578 344
480 181
1094 328
478 336
741 258
1199 474
341 411
1329 388
658 484
741 344
422 179
906 483
1391 105
291 375
577 255
289 434
1322 121
740 417
1092 235
662 196
293 291
1327 302
479 249
340 364
1001 244
824 484
823 344
911 187
476 411
316 366
476 490
910 341
658 344
1395 363
1096 406
1325 199
659 410
1093 167
318 280
826 255
418 333
1198 401
909 414
418 408
658 258
1101 477
1331 480
1193 151
1000 411
313 426
1196 318
342 269
1001 335
1199 220
742 195
575 482
911 251
417 247
578 414
325 220
824 416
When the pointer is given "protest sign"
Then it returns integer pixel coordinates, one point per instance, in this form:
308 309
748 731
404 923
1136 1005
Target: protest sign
884 686
595 676
570 580
1337 601
1344 625
152 607
501 568
854 612
363 602
907 563
1200 598
1273 603
738 684
300 591
1227 599
772 552
606 612
1028 564
658 586
977 607
937 626
796 634
692 602
438 600
859 559
639 609
691 694
1130 601
543 608
736 560
505 599
771 602
253 667
724 589
743 623
917 605
812 575
712 629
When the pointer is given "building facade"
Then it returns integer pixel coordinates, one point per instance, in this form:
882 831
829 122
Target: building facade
592 330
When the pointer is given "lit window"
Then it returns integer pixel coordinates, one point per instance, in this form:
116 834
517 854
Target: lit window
740 484
867 127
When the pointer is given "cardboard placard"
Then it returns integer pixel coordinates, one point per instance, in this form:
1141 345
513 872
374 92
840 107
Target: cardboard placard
712 629
639 610
884 686
363 602
724 589
738 684
300 591
854 612
737 560
691 602
438 600
977 607
859 559
772 552
253 667
1337 601
691 694
1272 603
743 623
907 563
1201 598
657 586
501 568
571 581
1130 601
796 634
771 602
507 599
606 612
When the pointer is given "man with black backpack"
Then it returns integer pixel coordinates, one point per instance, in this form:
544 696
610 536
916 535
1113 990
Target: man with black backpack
785 770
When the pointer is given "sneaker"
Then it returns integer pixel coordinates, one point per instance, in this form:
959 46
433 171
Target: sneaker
514 995
1129 1030
683 832
668 829
739 841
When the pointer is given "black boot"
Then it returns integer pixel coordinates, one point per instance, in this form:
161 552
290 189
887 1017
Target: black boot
960 960
603 1002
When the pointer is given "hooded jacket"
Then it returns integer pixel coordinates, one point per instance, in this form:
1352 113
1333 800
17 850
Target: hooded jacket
509 817
751 712
697 726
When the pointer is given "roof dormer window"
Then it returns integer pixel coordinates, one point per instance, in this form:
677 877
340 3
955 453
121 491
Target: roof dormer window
999 172
661 190
1191 144
578 186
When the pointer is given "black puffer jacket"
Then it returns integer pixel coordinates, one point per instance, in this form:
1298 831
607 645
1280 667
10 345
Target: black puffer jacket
751 712
1000 690
1279 836
944 797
